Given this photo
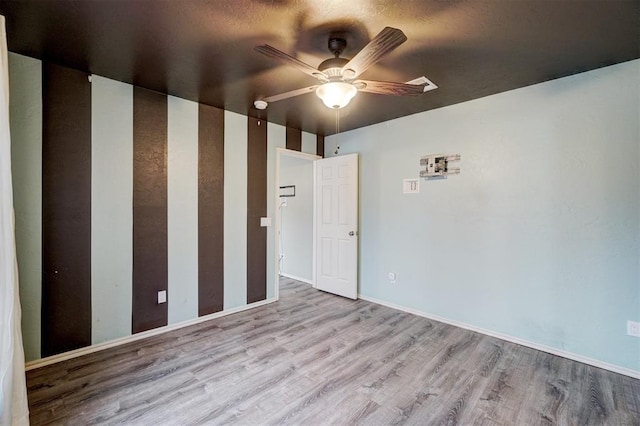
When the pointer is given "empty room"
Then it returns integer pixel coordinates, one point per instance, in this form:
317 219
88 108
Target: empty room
320 212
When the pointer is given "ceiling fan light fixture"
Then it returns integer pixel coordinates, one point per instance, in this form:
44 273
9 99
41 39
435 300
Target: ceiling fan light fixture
336 94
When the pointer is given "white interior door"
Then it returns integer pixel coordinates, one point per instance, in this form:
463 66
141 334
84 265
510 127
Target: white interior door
336 200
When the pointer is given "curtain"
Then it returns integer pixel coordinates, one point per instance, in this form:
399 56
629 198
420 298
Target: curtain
13 391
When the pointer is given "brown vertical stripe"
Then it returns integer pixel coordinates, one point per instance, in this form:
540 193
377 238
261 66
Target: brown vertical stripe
149 209
256 208
66 210
210 209
294 139
320 145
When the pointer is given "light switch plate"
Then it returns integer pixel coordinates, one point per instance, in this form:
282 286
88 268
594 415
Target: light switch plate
411 186
162 296
265 221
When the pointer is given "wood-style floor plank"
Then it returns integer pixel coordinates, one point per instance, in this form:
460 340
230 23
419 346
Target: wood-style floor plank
314 358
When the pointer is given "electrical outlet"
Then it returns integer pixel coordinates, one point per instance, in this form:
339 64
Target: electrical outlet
633 328
162 296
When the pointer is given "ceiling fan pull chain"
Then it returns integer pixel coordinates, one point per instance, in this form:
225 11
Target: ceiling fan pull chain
337 131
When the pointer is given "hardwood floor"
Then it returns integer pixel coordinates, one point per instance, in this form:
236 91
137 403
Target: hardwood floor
314 358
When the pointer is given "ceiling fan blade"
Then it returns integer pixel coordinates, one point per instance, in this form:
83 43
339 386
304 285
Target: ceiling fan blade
390 88
290 94
286 59
426 84
387 40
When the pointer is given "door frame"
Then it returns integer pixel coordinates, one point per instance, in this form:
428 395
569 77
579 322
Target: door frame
276 254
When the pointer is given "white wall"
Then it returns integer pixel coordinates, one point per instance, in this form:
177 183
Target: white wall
111 209
25 85
276 138
538 237
297 218
308 143
182 209
235 210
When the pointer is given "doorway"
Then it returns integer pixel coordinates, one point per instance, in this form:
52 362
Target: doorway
294 220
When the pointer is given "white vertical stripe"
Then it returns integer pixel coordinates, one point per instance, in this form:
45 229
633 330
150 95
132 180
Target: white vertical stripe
111 208
309 143
13 394
25 85
182 209
276 138
235 210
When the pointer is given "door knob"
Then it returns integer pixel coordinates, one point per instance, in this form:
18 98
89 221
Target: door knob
351 233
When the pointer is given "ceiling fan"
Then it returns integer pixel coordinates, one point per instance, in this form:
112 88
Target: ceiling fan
338 77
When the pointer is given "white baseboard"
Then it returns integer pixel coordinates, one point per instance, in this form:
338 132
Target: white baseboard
32 365
293 277
569 355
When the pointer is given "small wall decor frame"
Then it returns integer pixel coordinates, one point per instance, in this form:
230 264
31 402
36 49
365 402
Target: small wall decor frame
288 191
437 166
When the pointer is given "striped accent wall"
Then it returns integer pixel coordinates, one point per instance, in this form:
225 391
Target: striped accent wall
182 209
121 192
320 145
256 209
66 209
235 210
25 112
150 253
210 210
276 138
111 209
308 143
294 139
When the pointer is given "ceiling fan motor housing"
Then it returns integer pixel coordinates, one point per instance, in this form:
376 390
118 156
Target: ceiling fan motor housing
332 67
337 45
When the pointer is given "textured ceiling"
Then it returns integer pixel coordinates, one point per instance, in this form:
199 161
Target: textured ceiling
203 50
